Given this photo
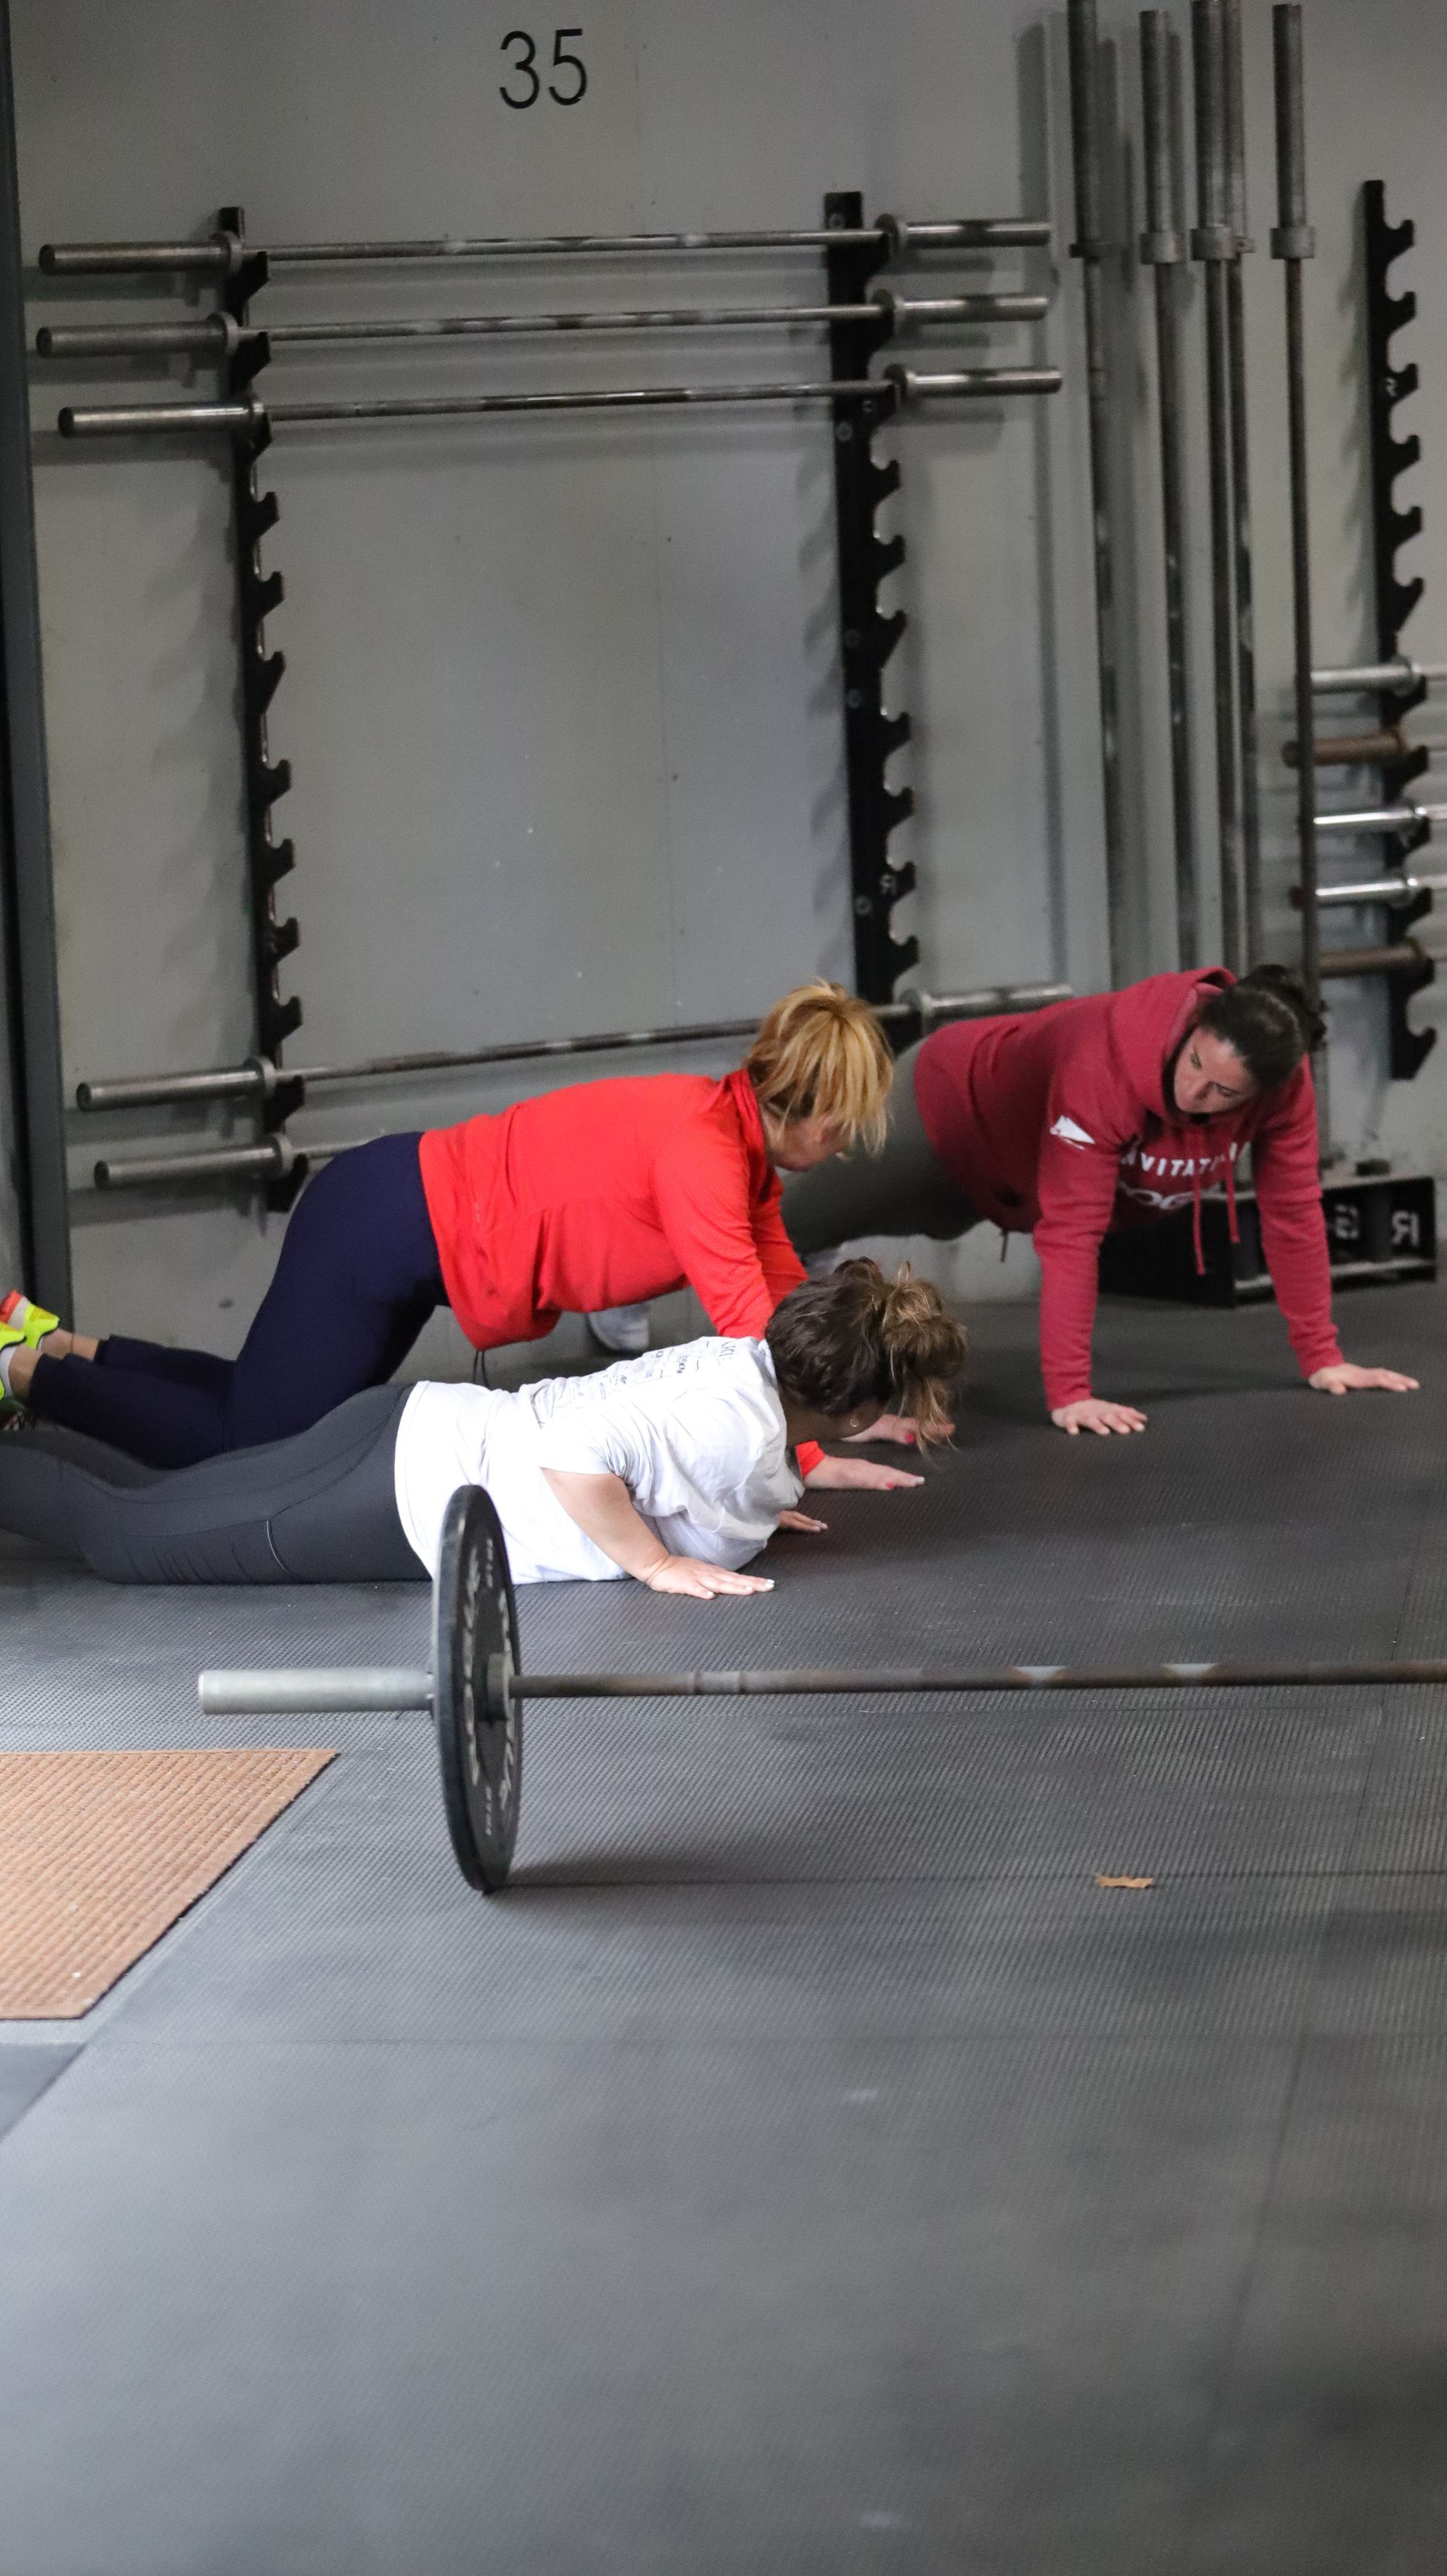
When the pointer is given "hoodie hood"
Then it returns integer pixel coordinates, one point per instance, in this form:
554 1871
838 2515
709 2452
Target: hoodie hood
1149 1024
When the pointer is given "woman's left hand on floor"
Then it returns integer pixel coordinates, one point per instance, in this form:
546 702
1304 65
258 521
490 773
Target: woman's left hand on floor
800 1521
859 1472
1345 1378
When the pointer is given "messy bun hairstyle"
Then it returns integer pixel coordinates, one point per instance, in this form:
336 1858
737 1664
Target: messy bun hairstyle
1268 1020
858 1337
821 1053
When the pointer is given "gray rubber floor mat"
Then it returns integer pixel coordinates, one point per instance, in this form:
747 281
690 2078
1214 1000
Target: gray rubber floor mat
24 2075
806 2168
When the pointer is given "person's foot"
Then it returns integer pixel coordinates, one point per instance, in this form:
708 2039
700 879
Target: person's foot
622 1331
21 1320
23 1328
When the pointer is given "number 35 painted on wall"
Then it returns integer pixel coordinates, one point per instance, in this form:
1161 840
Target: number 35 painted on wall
525 69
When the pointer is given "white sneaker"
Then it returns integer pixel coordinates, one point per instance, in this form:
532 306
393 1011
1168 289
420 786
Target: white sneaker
623 1330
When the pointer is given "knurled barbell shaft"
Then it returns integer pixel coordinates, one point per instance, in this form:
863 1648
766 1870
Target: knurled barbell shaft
307 1693
903 1681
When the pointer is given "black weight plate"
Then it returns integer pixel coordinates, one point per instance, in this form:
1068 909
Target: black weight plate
479 1733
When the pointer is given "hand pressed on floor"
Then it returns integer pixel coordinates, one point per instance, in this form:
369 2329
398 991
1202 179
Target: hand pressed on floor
1093 1413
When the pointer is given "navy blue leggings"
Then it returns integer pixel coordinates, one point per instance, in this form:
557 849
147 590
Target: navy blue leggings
356 1280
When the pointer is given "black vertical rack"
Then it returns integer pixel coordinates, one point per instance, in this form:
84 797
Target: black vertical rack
867 635
254 512
1390 456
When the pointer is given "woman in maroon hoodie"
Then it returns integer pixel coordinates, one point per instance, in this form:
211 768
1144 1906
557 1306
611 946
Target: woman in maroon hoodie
1109 1111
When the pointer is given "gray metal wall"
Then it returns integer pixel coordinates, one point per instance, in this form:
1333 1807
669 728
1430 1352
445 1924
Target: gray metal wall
562 699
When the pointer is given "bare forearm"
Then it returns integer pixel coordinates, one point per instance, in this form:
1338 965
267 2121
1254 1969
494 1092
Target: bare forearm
604 1511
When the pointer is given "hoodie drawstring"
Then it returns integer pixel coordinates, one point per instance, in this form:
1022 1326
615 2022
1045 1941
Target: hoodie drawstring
1231 1225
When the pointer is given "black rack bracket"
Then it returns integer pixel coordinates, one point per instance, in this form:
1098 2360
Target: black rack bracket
254 512
867 636
1390 456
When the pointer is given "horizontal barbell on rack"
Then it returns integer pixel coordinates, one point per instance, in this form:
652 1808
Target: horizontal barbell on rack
257 1077
897 388
218 337
1388 889
272 1158
1382 818
1400 673
222 254
1398 957
1352 750
476 1686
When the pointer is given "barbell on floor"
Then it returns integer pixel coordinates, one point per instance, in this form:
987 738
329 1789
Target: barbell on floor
476 1686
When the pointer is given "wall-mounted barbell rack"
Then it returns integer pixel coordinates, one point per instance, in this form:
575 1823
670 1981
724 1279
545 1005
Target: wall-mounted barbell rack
1402 823
860 317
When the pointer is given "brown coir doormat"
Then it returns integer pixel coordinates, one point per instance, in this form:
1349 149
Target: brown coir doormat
100 1852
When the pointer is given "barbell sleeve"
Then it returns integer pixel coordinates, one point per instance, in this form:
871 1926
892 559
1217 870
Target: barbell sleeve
971 383
1387 889
1399 957
218 256
214 336
1352 677
1382 818
173 420
256 1079
271 1160
327 1690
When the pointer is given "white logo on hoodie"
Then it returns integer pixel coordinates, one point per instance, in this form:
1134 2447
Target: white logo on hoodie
1069 1134
1171 1167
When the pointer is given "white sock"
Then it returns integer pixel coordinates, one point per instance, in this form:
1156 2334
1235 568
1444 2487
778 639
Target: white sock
6 1356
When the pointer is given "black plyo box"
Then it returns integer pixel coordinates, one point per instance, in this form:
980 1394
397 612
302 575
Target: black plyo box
1380 1227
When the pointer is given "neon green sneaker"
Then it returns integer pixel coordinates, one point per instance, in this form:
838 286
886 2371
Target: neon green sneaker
21 1322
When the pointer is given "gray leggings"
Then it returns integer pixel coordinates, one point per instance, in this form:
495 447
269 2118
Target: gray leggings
317 1508
904 1190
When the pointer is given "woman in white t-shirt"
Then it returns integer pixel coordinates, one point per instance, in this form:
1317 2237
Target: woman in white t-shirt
675 1468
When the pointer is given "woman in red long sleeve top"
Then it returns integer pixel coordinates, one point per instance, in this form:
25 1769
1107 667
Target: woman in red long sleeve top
1108 1111
599 1195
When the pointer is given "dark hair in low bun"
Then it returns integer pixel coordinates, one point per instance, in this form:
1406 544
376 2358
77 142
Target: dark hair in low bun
1268 1020
858 1337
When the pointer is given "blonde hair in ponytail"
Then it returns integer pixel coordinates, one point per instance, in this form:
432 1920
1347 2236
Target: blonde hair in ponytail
821 1053
858 1337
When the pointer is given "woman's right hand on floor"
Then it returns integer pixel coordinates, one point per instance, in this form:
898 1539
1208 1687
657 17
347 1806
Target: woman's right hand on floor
866 1474
1093 1413
700 1582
